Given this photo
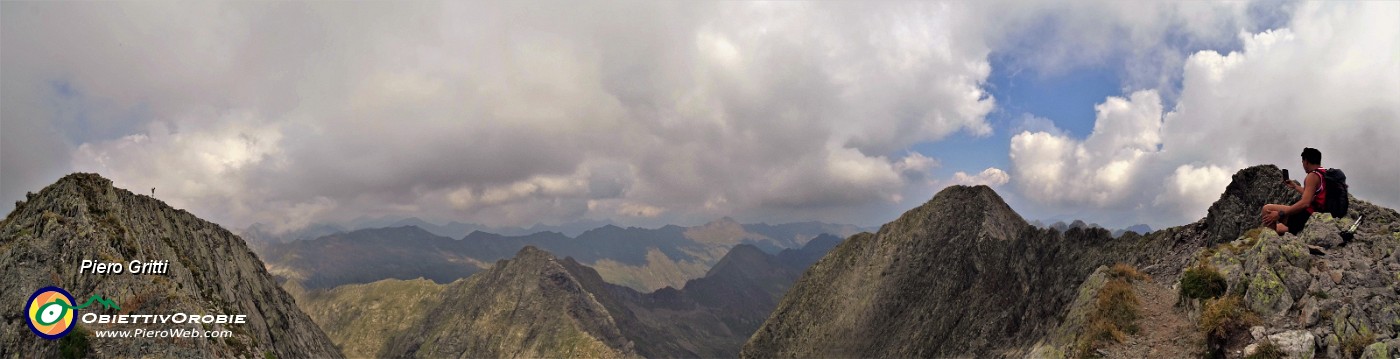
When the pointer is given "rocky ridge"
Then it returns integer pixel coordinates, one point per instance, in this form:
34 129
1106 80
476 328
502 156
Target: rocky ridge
211 271
1310 295
963 275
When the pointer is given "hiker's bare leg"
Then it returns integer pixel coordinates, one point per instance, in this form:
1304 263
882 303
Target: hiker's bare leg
1269 208
1280 228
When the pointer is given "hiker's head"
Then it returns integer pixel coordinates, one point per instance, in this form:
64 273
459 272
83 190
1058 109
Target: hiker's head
1312 159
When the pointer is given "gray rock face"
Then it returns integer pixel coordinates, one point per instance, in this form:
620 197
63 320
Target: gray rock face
211 271
1238 207
961 275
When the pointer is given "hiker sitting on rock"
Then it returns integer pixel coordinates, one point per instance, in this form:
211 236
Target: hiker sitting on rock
1286 218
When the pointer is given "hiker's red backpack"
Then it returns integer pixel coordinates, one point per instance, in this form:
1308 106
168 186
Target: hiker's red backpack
1333 197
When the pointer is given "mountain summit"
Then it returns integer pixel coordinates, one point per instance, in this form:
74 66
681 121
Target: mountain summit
45 240
533 305
961 274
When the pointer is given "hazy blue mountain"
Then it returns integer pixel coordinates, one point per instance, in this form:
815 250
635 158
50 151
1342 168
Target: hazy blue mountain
1136 228
642 258
370 255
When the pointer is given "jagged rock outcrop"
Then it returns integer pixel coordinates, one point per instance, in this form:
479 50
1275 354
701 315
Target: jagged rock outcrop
1343 294
1304 296
1346 297
960 275
211 271
1237 210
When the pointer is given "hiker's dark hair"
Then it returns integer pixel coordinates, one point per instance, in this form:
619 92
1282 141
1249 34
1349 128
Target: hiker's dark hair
1312 155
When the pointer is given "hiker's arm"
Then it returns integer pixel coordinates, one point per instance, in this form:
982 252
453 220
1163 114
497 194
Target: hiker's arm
1294 185
1309 186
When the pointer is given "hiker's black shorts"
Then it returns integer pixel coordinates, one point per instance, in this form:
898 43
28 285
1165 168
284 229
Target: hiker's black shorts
1296 221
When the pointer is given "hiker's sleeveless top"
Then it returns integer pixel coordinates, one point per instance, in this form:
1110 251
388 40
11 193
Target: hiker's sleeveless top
1320 195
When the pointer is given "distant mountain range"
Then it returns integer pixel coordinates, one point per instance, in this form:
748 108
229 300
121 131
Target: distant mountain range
644 259
1062 226
539 305
370 255
259 234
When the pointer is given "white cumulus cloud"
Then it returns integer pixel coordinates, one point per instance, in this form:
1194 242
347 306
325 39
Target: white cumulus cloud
1327 80
1099 170
992 177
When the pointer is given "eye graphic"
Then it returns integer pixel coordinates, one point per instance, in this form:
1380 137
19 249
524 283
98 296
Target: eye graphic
52 312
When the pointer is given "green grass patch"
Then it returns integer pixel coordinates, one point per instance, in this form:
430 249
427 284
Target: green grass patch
1122 270
1267 350
1353 344
1222 318
1202 282
1115 314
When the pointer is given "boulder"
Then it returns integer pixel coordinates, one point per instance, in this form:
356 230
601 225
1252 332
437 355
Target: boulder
1267 296
1376 351
1324 231
1297 343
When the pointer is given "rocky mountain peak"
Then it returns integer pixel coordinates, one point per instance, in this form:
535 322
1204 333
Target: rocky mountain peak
724 231
964 209
562 304
412 230
824 240
741 258
722 225
532 254
208 271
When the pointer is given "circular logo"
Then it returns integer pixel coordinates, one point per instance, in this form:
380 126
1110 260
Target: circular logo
50 312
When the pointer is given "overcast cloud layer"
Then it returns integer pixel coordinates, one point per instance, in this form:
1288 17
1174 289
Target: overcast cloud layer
656 112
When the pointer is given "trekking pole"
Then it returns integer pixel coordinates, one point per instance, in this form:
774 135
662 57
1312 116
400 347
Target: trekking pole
1350 233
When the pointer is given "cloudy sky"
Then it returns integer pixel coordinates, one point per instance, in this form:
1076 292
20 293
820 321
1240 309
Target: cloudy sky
644 113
